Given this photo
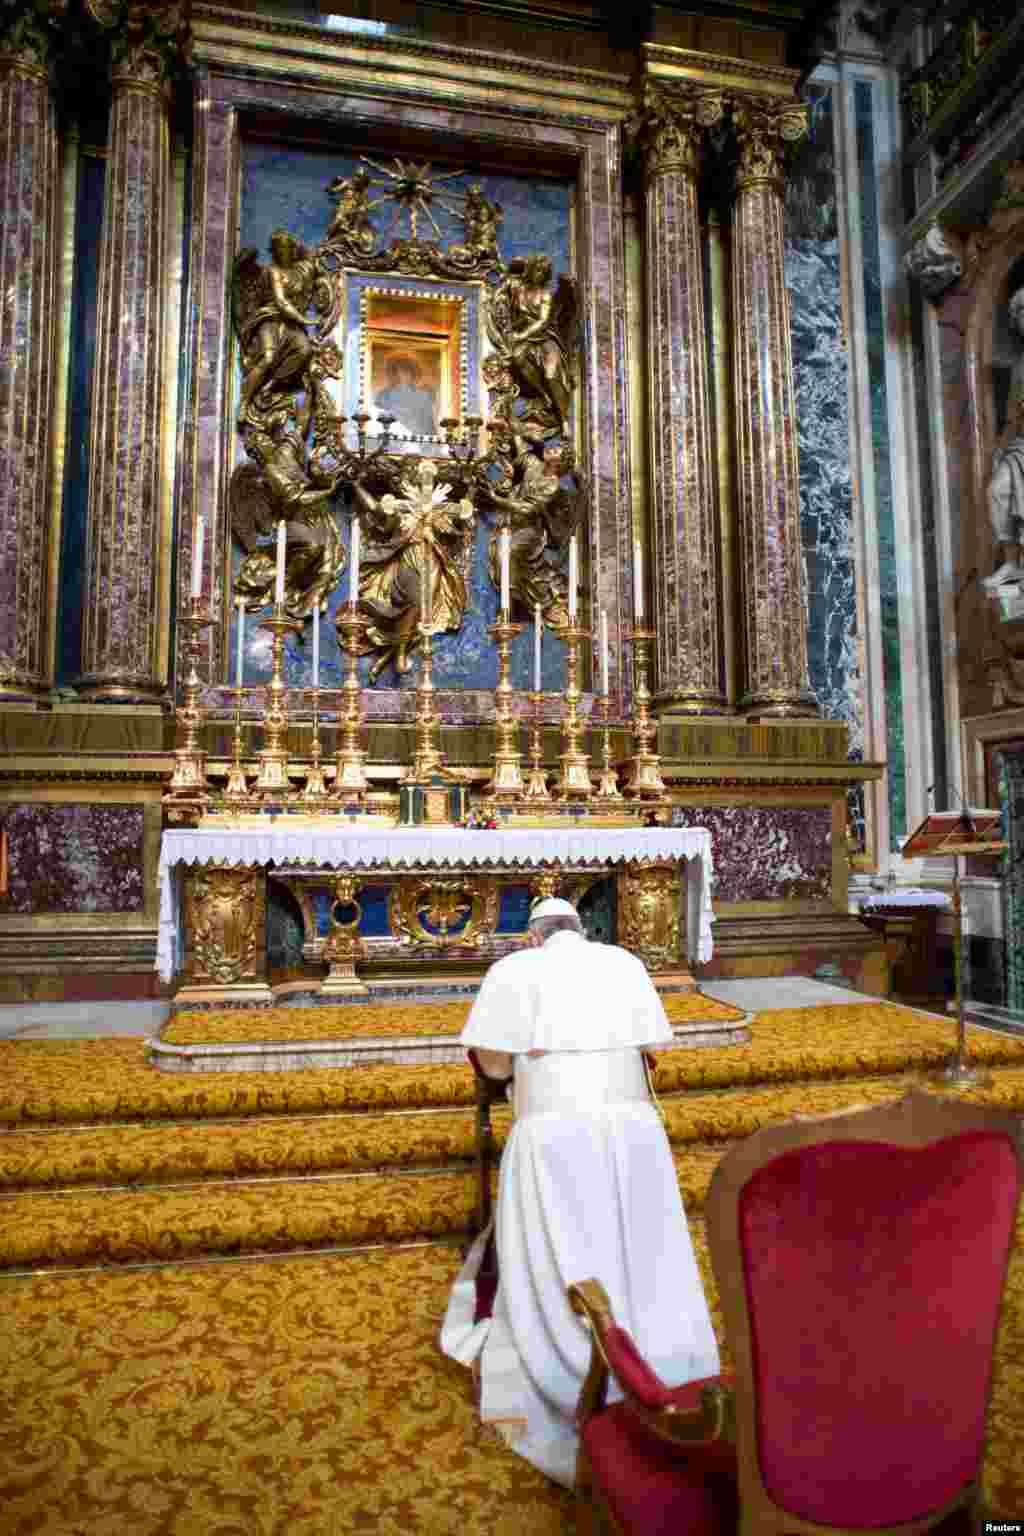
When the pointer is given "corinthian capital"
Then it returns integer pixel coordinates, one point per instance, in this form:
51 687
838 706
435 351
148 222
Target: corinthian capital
670 125
150 40
765 129
29 30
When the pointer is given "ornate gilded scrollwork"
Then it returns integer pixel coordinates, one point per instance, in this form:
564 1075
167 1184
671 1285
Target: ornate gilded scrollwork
764 131
285 314
343 944
670 127
444 913
547 883
225 915
649 913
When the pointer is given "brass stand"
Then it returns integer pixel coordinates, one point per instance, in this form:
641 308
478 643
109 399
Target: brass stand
315 791
537 784
506 782
188 781
428 758
272 782
608 784
350 782
236 792
343 944
574 779
958 1073
645 766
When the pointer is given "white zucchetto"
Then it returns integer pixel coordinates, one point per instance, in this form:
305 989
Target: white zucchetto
553 906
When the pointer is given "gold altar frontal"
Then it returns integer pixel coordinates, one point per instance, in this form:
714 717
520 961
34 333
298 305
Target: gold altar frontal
410 920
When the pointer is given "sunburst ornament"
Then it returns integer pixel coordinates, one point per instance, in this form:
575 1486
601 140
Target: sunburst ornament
413 189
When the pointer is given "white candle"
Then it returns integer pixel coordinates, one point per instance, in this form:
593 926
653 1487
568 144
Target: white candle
538 630
282 541
604 652
573 579
240 652
506 571
316 645
353 561
197 556
638 581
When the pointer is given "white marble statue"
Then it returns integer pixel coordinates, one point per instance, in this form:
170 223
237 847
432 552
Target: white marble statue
587 1190
1006 486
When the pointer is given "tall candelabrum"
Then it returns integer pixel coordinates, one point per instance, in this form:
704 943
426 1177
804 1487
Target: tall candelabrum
427 758
506 782
236 791
315 792
350 783
272 782
574 778
644 780
537 784
188 781
608 783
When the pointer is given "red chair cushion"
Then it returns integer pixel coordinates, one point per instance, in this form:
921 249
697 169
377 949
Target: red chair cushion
874 1275
656 1488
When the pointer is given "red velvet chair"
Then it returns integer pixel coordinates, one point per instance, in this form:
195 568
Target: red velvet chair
861 1261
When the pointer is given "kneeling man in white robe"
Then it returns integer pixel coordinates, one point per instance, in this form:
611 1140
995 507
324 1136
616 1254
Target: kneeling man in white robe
587 1189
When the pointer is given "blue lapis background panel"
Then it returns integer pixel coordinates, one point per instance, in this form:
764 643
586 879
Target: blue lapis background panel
284 187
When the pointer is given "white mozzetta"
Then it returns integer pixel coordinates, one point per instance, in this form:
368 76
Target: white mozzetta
415 846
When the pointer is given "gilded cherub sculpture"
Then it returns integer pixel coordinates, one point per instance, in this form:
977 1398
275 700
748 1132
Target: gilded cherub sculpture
412 570
351 224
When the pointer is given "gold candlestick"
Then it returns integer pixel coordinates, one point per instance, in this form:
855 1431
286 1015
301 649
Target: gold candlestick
236 791
608 784
272 781
350 782
428 758
506 782
315 791
574 779
644 779
537 784
188 781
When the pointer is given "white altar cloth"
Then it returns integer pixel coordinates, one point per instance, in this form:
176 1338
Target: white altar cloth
353 848
913 896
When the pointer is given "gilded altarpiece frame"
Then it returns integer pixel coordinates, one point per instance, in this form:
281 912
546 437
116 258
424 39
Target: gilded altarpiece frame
360 113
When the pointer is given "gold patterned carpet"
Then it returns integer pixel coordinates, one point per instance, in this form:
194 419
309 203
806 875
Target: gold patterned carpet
301 1396
235 1026
305 1393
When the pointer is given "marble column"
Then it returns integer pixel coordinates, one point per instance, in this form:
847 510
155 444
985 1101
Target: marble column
775 681
29 256
119 631
686 564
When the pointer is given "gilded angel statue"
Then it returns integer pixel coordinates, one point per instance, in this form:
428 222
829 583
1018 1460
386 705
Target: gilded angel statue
412 569
275 484
269 306
541 339
541 513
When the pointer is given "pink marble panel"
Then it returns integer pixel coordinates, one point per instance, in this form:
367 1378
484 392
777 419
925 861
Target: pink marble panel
766 853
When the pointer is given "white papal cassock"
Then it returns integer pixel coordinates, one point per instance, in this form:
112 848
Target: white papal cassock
587 1190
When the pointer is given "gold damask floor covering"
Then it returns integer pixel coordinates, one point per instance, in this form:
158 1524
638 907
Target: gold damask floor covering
303 1396
377 1020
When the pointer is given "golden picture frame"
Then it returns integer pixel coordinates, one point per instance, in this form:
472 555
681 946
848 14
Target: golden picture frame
412 364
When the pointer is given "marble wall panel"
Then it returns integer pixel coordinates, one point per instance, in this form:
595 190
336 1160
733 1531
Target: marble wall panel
285 187
865 112
1013 774
821 377
766 853
74 858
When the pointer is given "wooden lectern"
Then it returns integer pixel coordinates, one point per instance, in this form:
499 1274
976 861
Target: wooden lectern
963 833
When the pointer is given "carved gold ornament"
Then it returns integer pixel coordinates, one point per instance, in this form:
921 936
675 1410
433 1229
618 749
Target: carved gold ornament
426 911
649 914
225 917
